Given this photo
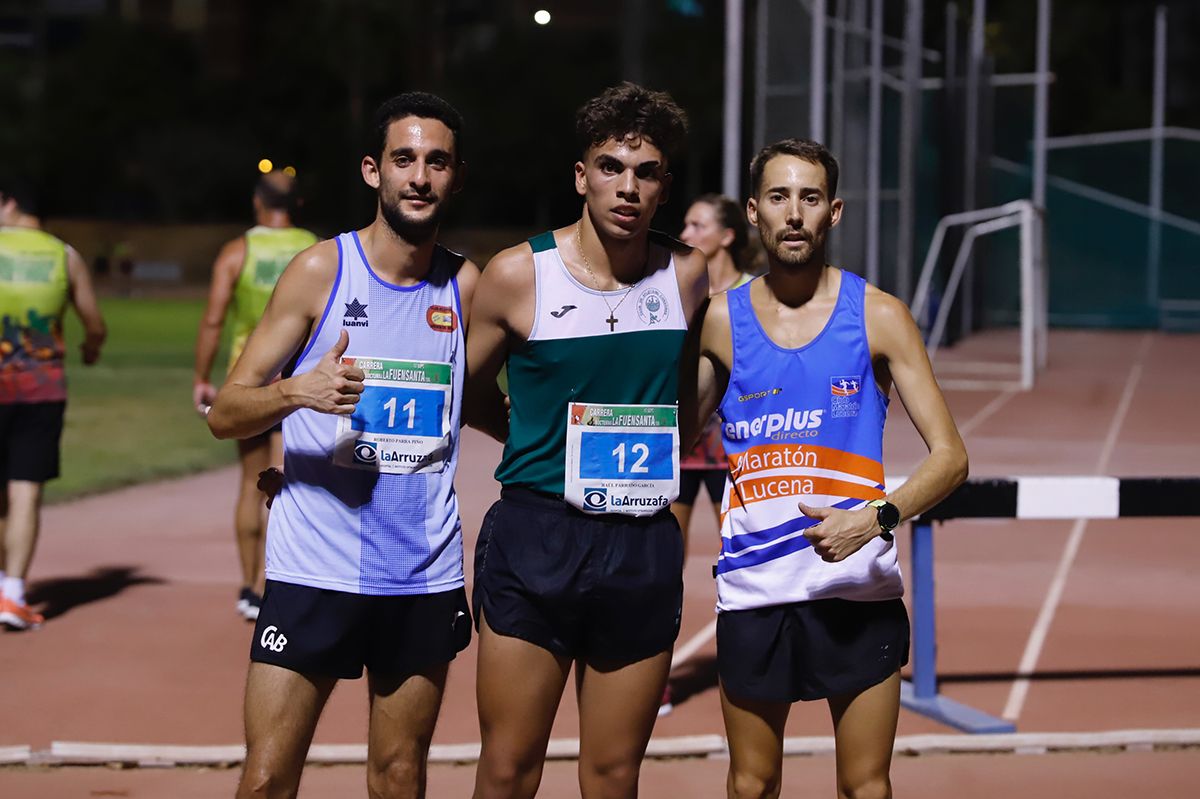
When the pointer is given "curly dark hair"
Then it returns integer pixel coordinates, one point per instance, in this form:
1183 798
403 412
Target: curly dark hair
422 105
805 150
632 109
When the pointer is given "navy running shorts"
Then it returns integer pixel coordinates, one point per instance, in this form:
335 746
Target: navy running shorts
810 650
329 633
605 588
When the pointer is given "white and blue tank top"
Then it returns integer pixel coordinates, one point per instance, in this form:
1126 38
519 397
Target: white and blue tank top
368 505
800 425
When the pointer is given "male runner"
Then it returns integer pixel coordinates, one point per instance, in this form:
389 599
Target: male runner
580 560
800 364
39 276
244 275
364 544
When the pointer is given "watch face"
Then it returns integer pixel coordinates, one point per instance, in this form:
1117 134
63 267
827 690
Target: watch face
888 515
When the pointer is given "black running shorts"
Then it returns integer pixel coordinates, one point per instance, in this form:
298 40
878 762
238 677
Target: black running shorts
335 634
810 650
30 433
605 588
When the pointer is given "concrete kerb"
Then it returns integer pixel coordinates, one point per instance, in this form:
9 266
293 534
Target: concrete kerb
74 753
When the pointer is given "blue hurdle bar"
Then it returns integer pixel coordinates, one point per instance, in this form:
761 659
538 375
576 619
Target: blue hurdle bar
1054 497
921 694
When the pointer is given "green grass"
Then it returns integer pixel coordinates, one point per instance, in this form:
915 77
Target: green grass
129 417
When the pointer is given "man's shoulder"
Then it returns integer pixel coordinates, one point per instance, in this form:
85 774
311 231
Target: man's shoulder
883 307
317 261
512 267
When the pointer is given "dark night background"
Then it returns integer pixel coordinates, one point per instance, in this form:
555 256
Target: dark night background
159 110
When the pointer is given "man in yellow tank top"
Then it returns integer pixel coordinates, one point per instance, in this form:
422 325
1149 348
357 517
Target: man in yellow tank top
39 276
243 278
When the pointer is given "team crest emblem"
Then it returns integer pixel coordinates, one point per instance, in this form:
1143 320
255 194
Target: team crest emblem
441 318
652 306
844 386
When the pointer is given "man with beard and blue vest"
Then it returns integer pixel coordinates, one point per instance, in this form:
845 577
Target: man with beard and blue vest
799 364
364 559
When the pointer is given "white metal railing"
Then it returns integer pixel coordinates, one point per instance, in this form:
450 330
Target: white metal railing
1019 213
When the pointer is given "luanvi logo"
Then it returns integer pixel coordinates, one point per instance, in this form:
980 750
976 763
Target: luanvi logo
563 311
273 639
356 314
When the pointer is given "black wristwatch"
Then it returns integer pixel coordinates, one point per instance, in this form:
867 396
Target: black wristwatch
888 516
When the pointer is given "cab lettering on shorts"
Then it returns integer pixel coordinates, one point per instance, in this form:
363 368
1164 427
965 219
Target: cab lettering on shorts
441 318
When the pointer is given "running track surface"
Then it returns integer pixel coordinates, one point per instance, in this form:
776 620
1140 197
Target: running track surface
1063 626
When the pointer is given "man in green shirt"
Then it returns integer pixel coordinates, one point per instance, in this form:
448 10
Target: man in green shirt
243 277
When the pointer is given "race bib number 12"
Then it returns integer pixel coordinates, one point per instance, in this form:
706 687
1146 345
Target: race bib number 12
401 424
622 458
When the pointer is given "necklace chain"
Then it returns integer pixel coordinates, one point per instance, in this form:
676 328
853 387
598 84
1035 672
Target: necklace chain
612 309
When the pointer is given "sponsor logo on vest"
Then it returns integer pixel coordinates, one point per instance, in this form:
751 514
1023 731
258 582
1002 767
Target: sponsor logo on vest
441 318
366 452
356 314
770 392
777 426
652 306
272 639
595 498
563 311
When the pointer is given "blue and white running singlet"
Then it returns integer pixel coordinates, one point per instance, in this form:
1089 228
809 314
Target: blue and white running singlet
368 506
803 425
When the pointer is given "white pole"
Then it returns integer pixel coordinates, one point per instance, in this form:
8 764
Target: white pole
761 44
816 96
1041 103
732 144
1154 248
1041 122
910 131
874 145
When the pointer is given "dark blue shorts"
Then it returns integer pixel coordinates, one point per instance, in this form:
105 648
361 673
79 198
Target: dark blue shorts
607 589
810 650
317 631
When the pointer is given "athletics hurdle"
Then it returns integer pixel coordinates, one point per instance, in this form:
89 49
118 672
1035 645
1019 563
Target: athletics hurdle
1017 498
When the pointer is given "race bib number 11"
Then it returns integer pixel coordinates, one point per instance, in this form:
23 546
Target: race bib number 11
401 424
622 458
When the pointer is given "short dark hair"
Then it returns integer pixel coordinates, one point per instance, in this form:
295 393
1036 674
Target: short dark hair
275 196
422 105
731 215
805 150
632 109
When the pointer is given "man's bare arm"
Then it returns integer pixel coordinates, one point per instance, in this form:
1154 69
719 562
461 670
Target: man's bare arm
894 336
83 298
705 367
225 272
507 277
248 404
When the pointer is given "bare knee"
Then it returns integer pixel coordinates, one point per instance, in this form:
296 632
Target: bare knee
872 788
616 778
262 779
507 776
749 785
398 778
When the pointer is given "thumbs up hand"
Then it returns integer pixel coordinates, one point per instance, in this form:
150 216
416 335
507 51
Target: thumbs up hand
332 386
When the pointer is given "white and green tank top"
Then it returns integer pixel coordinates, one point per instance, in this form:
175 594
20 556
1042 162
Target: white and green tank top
593 353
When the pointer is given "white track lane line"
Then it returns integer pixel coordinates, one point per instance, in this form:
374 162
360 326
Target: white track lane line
1041 628
985 413
694 644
